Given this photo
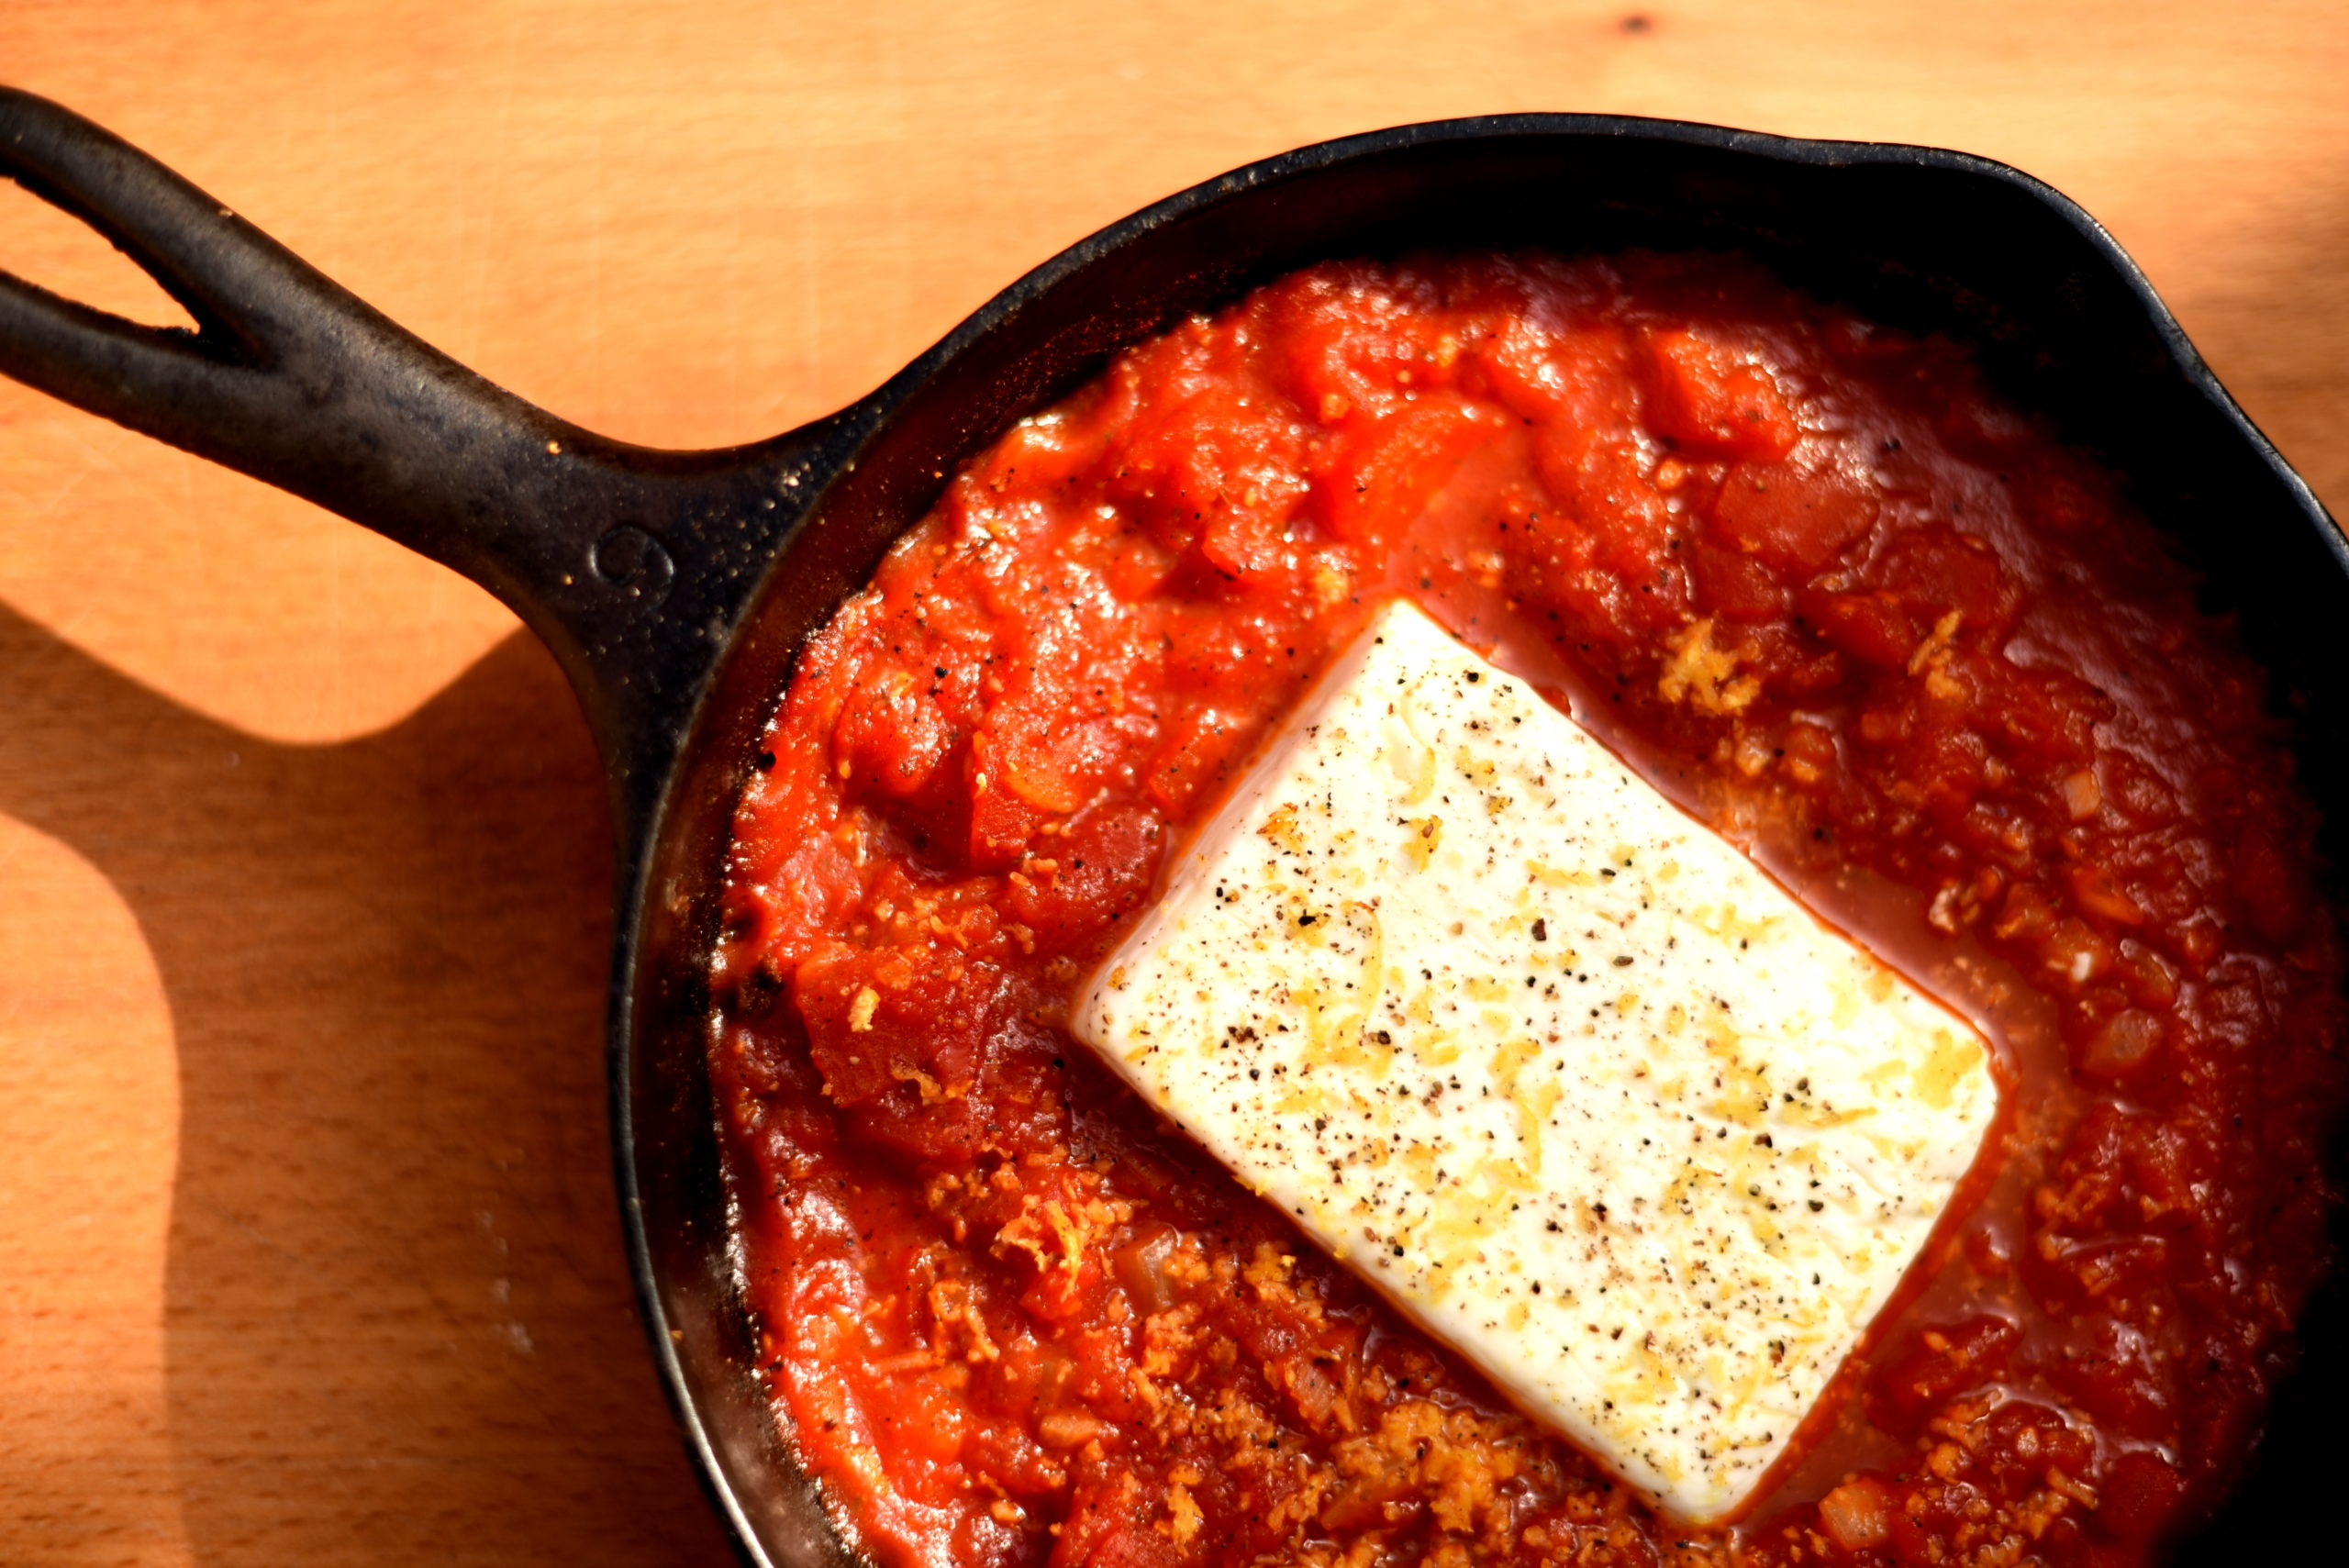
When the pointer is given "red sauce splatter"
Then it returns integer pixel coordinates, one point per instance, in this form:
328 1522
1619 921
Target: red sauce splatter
1819 585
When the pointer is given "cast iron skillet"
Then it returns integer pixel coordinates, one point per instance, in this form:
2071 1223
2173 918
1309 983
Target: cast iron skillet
675 588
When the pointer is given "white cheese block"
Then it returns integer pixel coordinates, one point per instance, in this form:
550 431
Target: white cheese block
1548 1063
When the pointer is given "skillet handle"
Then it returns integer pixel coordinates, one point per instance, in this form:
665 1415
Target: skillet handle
632 563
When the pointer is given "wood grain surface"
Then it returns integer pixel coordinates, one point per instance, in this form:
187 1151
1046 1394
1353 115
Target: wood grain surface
307 1249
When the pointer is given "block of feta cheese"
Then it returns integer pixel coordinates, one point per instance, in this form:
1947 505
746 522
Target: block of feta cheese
1556 1068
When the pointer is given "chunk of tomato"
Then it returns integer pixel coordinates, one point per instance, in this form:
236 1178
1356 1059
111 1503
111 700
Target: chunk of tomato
1101 867
1710 395
880 1018
1795 518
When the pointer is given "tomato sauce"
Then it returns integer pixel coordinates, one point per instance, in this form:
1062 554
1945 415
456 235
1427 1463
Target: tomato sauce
1813 579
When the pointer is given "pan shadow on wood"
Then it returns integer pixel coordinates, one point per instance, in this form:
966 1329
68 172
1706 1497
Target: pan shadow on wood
398 1326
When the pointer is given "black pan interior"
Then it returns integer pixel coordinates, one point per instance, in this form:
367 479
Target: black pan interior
1926 240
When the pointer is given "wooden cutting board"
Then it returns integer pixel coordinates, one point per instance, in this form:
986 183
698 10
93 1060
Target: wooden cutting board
308 1250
